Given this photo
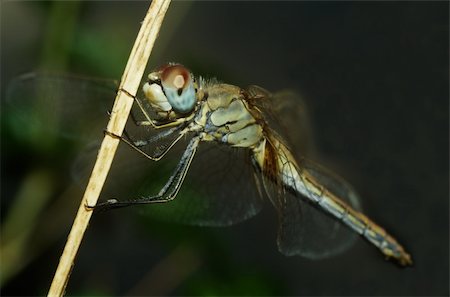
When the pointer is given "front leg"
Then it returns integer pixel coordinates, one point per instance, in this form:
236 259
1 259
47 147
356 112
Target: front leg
137 144
170 189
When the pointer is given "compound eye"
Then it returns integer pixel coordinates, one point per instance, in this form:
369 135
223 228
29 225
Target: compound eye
178 86
175 76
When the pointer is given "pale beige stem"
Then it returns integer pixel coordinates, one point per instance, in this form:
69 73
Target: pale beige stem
130 82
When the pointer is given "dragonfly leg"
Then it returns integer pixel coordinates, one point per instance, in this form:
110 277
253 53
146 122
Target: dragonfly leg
138 144
156 124
155 138
170 189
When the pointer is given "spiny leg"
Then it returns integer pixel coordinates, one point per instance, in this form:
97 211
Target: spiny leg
170 189
138 144
151 140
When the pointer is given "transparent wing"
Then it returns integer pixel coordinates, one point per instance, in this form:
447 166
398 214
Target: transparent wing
287 113
45 108
219 189
304 229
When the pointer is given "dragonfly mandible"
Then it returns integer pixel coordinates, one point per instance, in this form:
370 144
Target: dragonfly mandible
182 106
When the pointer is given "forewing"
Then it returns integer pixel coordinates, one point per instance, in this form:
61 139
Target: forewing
286 112
44 107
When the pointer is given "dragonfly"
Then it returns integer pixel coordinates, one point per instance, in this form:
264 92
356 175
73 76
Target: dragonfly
222 113
235 151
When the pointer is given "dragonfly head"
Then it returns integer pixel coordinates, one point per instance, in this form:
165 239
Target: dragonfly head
171 88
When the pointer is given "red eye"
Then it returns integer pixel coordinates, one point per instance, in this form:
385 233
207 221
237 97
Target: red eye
175 76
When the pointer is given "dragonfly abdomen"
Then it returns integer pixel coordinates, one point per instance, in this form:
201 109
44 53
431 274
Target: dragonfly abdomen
300 181
358 222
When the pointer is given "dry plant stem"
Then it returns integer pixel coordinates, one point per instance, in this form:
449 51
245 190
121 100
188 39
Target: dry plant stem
130 82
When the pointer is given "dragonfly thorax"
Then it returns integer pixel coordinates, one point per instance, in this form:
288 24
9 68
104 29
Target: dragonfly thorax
225 117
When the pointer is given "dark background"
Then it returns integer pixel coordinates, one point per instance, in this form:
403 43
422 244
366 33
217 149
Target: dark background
375 78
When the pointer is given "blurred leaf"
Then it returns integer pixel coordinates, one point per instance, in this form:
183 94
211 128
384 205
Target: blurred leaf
20 221
59 35
101 53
